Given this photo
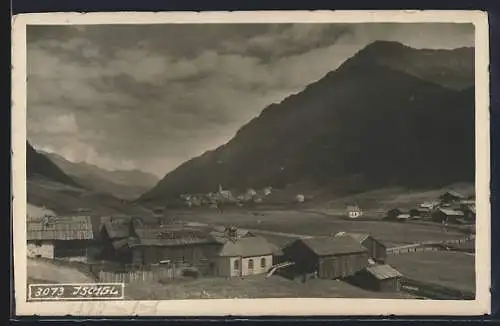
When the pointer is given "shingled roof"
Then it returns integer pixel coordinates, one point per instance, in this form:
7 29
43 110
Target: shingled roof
328 246
383 272
60 228
248 247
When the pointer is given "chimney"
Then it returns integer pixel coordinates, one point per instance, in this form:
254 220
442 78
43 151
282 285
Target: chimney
232 233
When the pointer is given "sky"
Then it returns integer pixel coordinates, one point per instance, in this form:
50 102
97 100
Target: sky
150 97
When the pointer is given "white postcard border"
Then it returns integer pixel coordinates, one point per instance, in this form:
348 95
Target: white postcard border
254 307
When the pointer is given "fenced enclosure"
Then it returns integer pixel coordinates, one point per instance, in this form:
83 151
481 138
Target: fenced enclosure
140 274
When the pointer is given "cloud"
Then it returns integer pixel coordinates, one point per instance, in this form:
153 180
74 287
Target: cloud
154 96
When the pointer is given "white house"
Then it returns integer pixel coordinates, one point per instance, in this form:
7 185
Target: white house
354 212
244 256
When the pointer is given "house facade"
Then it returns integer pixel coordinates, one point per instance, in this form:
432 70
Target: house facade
243 257
70 238
382 278
179 246
327 257
376 249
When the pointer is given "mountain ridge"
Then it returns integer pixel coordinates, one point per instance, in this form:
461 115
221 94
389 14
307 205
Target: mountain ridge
124 184
304 124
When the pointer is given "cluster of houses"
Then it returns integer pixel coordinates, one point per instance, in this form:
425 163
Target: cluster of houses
451 207
225 197
222 252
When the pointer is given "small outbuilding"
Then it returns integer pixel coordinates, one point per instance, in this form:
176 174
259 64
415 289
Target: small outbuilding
328 257
446 215
382 278
376 249
392 214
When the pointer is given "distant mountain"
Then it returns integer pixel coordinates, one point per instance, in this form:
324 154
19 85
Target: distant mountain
372 123
125 184
450 68
38 165
49 188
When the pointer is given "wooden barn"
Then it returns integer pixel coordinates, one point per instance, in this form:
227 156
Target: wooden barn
383 278
376 249
116 236
446 215
243 256
179 246
329 257
69 238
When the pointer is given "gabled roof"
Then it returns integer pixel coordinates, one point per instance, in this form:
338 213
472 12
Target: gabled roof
248 247
359 237
60 228
328 246
172 236
451 212
383 272
453 194
116 228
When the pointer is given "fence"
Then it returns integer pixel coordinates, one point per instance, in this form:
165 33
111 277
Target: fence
428 246
435 291
140 275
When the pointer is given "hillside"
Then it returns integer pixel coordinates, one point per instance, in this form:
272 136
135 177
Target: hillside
450 68
50 188
38 165
362 127
124 184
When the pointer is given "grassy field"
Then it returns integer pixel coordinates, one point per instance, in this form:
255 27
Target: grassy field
453 269
310 223
250 287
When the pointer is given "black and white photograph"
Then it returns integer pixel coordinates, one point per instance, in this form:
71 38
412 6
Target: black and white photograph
265 159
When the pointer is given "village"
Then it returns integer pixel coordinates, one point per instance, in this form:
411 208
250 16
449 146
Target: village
163 249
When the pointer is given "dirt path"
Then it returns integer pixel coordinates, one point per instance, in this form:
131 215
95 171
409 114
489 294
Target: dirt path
48 271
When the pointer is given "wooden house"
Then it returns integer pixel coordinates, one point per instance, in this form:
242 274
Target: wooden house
451 196
328 257
116 234
393 213
69 238
180 246
446 215
376 249
243 257
383 278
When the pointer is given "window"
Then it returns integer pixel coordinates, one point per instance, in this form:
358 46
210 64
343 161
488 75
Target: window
236 265
263 262
250 264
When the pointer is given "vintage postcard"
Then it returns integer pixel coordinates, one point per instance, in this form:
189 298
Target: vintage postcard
251 163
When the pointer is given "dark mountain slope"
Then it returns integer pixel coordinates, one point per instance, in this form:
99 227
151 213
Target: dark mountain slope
39 165
48 186
450 68
361 127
